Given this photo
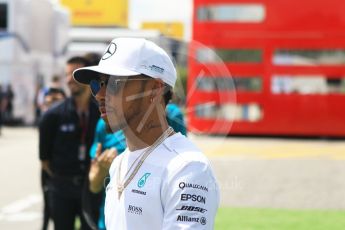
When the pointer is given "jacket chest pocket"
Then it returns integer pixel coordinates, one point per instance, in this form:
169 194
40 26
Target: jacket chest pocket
69 131
145 186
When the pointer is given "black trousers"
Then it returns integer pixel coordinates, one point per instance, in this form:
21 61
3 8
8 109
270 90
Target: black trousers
46 203
66 203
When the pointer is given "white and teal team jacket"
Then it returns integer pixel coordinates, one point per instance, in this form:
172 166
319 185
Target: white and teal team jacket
175 188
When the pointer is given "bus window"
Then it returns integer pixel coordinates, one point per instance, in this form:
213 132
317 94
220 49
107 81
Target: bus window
239 13
229 55
305 57
230 112
246 84
307 84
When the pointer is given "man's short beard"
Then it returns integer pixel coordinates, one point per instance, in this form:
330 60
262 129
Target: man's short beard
119 127
114 128
76 93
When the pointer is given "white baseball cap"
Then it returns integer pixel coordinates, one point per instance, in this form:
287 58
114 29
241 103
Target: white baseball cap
130 57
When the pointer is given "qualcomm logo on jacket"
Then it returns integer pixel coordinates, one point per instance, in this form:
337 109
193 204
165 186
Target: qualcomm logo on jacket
142 180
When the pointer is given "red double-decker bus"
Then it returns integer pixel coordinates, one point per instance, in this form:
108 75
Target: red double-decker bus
267 67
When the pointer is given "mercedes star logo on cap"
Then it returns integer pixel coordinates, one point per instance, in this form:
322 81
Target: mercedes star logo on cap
110 51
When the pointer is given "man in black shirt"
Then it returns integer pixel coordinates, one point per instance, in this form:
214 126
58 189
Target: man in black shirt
66 135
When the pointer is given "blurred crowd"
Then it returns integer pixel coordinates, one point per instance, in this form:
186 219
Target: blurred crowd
6 104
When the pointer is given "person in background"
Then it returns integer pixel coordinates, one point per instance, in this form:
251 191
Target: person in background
9 96
41 90
51 97
66 132
93 57
55 82
175 117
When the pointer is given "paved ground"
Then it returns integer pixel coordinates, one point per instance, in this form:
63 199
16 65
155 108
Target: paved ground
252 172
279 173
20 200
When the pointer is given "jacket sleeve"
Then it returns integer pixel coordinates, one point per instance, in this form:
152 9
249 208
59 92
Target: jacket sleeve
190 198
47 133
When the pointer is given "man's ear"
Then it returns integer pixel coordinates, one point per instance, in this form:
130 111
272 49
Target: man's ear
157 89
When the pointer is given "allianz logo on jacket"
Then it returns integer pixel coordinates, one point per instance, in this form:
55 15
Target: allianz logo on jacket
201 220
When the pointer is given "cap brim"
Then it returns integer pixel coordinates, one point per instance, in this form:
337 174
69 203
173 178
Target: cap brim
86 74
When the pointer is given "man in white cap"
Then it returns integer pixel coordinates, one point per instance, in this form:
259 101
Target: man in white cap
162 180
